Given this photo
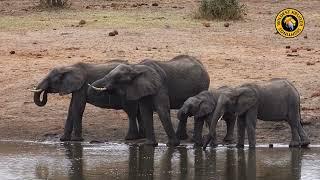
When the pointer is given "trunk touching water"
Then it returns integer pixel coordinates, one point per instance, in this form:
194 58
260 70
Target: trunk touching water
37 100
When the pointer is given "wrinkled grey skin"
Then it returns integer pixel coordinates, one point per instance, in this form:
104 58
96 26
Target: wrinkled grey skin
275 100
158 86
74 79
202 107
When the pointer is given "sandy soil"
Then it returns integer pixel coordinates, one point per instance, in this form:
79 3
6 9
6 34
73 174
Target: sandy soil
246 51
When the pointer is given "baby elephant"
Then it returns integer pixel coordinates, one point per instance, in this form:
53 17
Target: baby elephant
202 107
275 100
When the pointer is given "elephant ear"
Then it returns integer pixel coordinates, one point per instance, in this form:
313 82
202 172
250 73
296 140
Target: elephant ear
146 82
72 79
245 99
205 108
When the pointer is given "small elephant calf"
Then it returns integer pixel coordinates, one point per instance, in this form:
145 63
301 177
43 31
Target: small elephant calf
202 107
275 100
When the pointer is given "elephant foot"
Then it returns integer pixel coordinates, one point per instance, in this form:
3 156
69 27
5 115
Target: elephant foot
132 136
142 135
65 138
252 146
182 136
294 144
77 138
228 140
305 143
241 146
149 142
197 141
173 142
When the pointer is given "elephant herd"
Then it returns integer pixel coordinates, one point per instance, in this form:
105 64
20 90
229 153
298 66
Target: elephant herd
181 83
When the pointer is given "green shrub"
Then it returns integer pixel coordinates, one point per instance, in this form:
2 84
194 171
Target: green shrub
221 9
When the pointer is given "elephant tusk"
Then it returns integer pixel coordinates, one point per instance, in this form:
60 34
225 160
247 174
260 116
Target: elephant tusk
98 89
36 90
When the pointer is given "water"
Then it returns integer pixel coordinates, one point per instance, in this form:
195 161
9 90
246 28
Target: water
30 160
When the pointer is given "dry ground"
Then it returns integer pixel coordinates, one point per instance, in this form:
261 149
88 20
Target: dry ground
247 51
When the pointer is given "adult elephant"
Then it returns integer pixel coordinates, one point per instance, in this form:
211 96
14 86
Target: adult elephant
157 86
74 79
274 100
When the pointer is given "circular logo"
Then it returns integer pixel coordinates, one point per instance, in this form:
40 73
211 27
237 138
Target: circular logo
289 23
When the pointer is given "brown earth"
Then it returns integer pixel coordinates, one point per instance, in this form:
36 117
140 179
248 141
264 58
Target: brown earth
246 51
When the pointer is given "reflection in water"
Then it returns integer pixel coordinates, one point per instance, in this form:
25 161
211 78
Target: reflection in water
119 161
141 161
74 153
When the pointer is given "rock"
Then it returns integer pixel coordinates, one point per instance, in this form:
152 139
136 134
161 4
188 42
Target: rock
294 50
310 63
82 22
103 6
288 47
155 4
113 5
112 33
154 48
149 49
12 52
226 24
96 142
34 43
137 48
305 36
115 32
206 24
308 49
292 55
87 7
270 145
134 5
96 20
174 6
54 29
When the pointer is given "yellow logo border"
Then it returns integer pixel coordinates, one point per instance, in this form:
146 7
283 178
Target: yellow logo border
281 15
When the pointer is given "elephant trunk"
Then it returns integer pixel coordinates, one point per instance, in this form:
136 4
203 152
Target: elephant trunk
37 100
217 115
41 89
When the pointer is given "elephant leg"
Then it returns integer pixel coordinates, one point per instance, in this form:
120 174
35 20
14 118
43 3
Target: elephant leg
295 118
68 127
241 123
131 108
230 121
78 102
197 132
146 111
181 132
162 106
251 121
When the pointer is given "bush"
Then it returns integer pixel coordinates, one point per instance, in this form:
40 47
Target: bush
54 3
221 9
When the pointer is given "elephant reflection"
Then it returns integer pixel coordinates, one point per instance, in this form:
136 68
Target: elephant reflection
141 162
230 163
74 153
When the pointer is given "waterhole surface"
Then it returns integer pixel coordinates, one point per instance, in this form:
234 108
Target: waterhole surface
31 160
